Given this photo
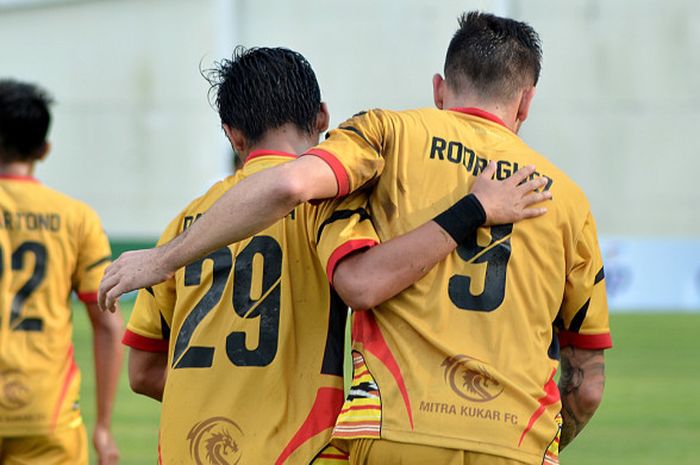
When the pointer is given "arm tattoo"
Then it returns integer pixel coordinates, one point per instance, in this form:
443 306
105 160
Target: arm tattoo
581 385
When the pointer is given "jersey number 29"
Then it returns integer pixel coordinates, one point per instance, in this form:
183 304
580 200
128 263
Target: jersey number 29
265 308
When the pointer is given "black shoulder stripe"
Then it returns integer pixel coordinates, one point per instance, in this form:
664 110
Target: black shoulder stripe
164 328
353 129
558 321
149 289
554 351
577 320
105 259
600 276
341 215
335 340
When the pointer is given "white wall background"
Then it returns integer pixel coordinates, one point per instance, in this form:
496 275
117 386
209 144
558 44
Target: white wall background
618 104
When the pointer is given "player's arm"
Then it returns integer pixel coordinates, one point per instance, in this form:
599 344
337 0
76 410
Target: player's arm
581 387
584 333
247 208
93 256
147 336
148 330
347 160
106 334
147 372
369 277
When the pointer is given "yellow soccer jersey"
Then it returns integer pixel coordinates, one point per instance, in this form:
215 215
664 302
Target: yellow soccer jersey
255 335
50 245
465 358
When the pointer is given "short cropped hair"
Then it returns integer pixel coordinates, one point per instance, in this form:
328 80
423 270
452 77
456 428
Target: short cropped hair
260 89
493 56
24 120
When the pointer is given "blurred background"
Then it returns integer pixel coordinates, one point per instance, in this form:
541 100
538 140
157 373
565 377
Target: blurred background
618 107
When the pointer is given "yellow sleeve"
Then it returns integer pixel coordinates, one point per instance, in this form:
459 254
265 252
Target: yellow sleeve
355 150
149 324
147 328
339 228
94 255
583 317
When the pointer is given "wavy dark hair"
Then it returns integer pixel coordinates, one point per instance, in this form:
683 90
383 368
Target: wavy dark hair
263 88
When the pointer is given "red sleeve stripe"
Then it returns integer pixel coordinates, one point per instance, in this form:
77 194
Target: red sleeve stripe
585 341
341 176
344 250
136 341
88 297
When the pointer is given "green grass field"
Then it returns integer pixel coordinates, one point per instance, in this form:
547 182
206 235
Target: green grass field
650 413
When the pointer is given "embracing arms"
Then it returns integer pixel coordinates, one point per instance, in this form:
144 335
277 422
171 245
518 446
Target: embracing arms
258 201
366 279
247 208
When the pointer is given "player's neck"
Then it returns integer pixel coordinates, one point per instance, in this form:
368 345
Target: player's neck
17 168
286 138
506 113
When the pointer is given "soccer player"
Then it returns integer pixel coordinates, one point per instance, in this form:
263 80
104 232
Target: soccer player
254 331
483 332
50 246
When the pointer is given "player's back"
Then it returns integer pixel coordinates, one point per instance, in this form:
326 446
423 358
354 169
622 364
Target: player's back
50 245
465 357
256 339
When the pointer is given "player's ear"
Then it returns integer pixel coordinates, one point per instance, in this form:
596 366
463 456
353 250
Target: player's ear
323 118
438 90
524 105
236 138
43 151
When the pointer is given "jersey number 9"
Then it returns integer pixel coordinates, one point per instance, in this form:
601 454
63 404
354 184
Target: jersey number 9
496 256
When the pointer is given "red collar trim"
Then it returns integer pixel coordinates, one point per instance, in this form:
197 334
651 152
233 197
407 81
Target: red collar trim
19 177
481 114
265 153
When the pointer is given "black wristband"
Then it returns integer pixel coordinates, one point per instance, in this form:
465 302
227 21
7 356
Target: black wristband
462 219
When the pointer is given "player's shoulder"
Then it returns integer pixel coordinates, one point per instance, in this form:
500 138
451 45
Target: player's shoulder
73 209
416 113
196 207
398 118
564 187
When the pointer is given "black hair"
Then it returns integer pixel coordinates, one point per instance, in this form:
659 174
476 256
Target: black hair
495 57
24 120
260 89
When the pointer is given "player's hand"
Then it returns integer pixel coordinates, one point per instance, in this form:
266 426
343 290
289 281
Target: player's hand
132 270
510 200
105 446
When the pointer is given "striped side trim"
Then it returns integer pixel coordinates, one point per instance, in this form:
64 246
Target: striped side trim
551 455
331 456
361 416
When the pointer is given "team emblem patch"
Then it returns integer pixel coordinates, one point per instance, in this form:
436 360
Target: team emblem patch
15 392
470 379
215 441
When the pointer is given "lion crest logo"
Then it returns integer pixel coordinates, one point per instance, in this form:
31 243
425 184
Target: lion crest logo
14 390
215 442
470 379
